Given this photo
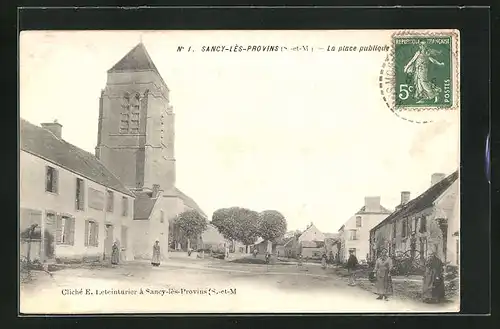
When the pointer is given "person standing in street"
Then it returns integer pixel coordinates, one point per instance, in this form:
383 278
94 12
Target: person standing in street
323 261
433 282
115 253
352 264
155 261
383 267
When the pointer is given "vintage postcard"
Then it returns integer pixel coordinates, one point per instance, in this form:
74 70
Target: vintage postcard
239 172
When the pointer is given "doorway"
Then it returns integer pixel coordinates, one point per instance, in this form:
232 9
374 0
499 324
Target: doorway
108 241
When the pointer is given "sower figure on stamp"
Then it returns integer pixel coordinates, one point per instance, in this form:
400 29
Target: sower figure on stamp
382 270
352 263
419 66
115 253
155 261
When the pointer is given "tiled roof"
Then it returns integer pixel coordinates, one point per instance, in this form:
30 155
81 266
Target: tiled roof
312 244
43 143
288 241
382 210
135 60
423 201
283 241
333 236
143 205
189 202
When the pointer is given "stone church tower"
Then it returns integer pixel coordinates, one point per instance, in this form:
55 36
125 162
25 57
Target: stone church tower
136 143
136 124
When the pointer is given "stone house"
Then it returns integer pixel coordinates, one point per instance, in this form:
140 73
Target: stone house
430 222
312 233
354 234
312 249
136 142
80 208
307 241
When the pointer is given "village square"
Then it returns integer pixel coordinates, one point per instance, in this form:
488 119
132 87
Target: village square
115 223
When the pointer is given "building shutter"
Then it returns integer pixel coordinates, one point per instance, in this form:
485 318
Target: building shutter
58 229
96 234
47 179
86 241
423 224
55 180
50 221
71 230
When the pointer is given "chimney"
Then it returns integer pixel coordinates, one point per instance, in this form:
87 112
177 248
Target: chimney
54 127
156 189
372 204
436 178
405 197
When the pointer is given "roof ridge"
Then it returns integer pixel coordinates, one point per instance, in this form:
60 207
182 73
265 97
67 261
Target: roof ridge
42 143
445 182
136 58
99 161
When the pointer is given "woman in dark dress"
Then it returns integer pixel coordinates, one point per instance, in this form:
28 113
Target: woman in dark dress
383 267
115 254
156 254
433 281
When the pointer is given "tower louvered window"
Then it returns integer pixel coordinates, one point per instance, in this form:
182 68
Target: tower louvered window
129 120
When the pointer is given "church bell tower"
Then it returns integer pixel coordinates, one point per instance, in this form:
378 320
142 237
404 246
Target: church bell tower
136 124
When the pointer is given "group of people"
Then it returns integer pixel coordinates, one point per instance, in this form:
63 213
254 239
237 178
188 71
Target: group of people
433 289
155 261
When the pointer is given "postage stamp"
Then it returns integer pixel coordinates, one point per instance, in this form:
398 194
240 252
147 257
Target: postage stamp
423 71
419 80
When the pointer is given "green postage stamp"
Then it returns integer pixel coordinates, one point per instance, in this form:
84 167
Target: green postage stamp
423 71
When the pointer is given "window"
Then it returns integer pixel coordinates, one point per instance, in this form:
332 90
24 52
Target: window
358 221
65 230
129 121
80 190
353 235
404 228
91 233
110 199
162 219
51 179
423 224
124 206
394 229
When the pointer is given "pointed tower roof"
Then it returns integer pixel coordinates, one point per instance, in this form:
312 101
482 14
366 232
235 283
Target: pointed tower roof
135 60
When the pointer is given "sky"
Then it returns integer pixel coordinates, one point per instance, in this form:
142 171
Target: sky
304 133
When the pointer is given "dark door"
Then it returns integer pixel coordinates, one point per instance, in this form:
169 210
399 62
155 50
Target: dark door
108 241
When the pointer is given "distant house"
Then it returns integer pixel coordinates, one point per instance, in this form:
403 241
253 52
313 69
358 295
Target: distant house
312 249
428 222
312 233
310 241
355 233
278 246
